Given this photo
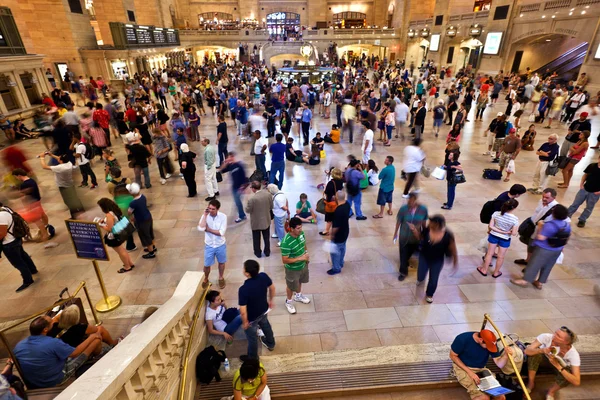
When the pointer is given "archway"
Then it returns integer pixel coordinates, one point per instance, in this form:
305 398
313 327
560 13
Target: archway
215 53
470 50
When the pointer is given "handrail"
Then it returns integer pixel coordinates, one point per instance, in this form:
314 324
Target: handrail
188 348
82 285
486 319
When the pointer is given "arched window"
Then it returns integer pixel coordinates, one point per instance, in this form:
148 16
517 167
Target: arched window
283 23
350 19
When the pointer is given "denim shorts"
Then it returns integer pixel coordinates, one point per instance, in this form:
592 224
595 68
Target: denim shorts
504 243
211 252
384 197
72 365
437 122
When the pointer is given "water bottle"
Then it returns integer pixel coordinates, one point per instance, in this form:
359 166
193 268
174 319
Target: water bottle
226 365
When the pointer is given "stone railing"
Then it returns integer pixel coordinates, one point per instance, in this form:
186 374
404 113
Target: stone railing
148 363
558 5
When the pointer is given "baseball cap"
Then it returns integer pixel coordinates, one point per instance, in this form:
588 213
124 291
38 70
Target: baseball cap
500 114
133 188
584 114
490 340
512 130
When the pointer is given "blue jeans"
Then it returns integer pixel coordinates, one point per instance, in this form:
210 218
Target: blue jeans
234 325
389 129
279 223
277 167
590 201
451 194
338 252
237 198
261 322
434 268
356 199
259 161
138 176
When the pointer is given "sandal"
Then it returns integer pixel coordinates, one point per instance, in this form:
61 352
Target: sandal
497 276
221 283
519 282
537 285
377 216
506 180
204 284
482 274
323 233
123 270
390 213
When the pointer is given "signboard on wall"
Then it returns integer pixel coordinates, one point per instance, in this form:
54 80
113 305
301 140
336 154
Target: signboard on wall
492 43
139 36
434 43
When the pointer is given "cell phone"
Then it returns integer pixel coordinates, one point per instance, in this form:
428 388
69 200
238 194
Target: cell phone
395 240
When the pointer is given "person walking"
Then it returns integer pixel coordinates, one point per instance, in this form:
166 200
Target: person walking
295 260
502 226
194 122
239 182
436 243
546 153
348 116
214 223
451 166
12 247
589 191
549 242
112 215
63 174
281 212
414 158
210 170
411 215
162 147
353 175
255 298
367 143
277 151
340 232
259 206
139 158
387 176
141 217
575 154
83 162
222 139
260 153
439 113
510 150
401 113
188 168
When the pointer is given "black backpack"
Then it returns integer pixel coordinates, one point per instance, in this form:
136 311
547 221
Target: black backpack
89 152
121 188
20 228
208 363
560 238
490 207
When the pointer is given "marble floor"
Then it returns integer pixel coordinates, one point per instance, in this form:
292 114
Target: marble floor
365 306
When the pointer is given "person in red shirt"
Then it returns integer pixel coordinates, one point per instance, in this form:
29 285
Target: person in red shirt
102 117
131 115
48 101
485 88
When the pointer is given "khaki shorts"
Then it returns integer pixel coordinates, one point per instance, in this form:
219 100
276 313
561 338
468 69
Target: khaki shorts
498 144
466 382
293 278
504 159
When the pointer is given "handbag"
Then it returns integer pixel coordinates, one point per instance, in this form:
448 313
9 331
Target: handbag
330 206
459 177
425 171
552 168
122 229
439 173
320 208
526 230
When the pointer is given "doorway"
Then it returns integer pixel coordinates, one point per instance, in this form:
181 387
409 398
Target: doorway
517 62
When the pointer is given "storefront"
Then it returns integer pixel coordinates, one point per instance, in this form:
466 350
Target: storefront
283 25
217 54
349 20
212 21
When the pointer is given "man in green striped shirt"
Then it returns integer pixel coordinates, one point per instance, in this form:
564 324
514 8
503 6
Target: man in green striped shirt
295 260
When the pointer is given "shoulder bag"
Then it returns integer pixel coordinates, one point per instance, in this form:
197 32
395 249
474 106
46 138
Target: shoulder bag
552 168
330 206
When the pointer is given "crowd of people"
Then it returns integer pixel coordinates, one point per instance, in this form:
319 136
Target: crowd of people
160 114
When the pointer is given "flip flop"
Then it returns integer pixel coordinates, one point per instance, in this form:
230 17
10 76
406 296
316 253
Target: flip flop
221 283
390 213
377 216
506 180
123 270
497 276
482 274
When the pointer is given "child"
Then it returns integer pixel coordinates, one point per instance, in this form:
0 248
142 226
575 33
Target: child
304 210
333 136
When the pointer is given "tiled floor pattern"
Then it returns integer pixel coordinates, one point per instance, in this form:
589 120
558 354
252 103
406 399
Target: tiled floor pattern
365 306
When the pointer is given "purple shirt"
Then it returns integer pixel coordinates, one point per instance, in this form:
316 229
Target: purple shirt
549 229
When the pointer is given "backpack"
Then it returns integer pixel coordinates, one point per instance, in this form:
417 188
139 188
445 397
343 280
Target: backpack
89 152
121 188
439 112
208 363
490 207
560 238
492 174
20 228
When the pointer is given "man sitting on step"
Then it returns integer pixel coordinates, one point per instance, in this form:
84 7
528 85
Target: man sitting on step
469 354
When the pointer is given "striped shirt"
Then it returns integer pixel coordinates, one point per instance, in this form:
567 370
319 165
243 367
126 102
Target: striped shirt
294 247
504 222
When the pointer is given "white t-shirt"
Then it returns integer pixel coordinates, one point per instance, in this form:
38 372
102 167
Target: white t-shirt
216 316
6 220
413 159
279 200
373 177
327 99
368 136
258 145
401 112
80 149
571 357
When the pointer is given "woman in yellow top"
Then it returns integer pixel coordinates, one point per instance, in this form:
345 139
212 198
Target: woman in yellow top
250 382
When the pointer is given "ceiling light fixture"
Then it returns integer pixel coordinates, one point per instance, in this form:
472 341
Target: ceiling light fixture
583 12
543 16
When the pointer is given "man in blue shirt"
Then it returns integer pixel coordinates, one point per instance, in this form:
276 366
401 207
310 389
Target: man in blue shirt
469 353
354 175
306 123
546 153
233 101
277 151
386 187
239 182
47 361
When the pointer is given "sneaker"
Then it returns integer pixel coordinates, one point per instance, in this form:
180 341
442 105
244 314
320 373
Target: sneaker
83 185
23 287
167 176
93 187
217 193
419 283
134 249
209 198
290 307
260 332
50 245
262 340
429 299
361 218
238 220
274 236
487 153
521 261
301 298
580 224
405 196
333 272
163 181
279 244
149 255
401 277
417 190
181 175
182 178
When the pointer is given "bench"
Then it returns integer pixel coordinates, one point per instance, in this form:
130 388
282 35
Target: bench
367 379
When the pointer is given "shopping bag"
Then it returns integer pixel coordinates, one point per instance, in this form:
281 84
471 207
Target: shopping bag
439 173
531 118
323 154
511 167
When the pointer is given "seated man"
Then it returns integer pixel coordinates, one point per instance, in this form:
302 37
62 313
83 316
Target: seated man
47 361
220 320
556 350
304 210
318 141
469 354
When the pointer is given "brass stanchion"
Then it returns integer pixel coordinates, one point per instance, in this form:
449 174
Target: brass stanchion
110 302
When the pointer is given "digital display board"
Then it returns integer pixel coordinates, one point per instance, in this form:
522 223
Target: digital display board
492 43
172 37
144 36
139 36
434 44
159 37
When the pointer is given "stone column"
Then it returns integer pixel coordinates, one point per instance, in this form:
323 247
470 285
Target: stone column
19 90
